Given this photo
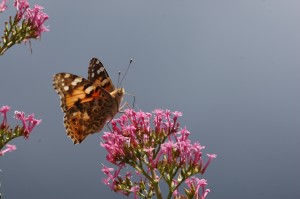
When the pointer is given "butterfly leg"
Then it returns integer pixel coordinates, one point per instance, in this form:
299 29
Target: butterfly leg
121 109
107 124
133 99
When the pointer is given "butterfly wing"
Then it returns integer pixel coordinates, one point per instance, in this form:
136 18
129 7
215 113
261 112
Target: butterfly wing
86 106
98 74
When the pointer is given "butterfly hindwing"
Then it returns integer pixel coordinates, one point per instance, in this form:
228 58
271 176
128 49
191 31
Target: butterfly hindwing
83 103
87 118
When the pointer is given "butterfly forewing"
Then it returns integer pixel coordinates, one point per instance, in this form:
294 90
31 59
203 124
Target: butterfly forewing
99 75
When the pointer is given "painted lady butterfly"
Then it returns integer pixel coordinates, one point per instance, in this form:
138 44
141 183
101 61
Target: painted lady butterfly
87 104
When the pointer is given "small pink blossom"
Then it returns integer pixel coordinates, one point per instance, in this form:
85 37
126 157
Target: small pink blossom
37 17
196 183
3 6
205 193
3 111
176 115
210 156
106 181
135 189
21 6
32 122
21 116
9 148
107 170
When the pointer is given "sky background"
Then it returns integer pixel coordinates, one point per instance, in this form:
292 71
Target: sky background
231 66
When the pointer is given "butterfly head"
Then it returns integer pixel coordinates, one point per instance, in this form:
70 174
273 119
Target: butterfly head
118 94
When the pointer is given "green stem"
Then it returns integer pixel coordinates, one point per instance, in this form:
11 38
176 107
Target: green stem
7 135
15 33
155 184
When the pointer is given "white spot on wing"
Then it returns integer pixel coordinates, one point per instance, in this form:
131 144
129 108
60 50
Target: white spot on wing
88 89
67 75
78 79
66 88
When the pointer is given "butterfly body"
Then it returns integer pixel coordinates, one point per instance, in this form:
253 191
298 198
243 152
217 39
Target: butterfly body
87 104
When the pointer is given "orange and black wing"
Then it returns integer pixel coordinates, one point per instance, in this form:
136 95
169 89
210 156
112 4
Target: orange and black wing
98 75
83 103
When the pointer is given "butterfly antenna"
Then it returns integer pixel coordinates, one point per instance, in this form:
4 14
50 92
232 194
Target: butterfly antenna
126 71
119 74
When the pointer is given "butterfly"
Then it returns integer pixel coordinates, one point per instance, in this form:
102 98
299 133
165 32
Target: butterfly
89 103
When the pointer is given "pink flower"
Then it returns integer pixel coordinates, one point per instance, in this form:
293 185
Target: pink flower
176 115
37 17
196 183
21 6
9 148
34 16
107 170
3 6
28 122
210 156
205 193
3 111
135 189
32 122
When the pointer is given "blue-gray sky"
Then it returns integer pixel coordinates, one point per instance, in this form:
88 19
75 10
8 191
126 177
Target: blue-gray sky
232 67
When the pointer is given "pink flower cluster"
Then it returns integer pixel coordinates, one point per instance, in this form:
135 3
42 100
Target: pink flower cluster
35 16
28 124
163 148
28 23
